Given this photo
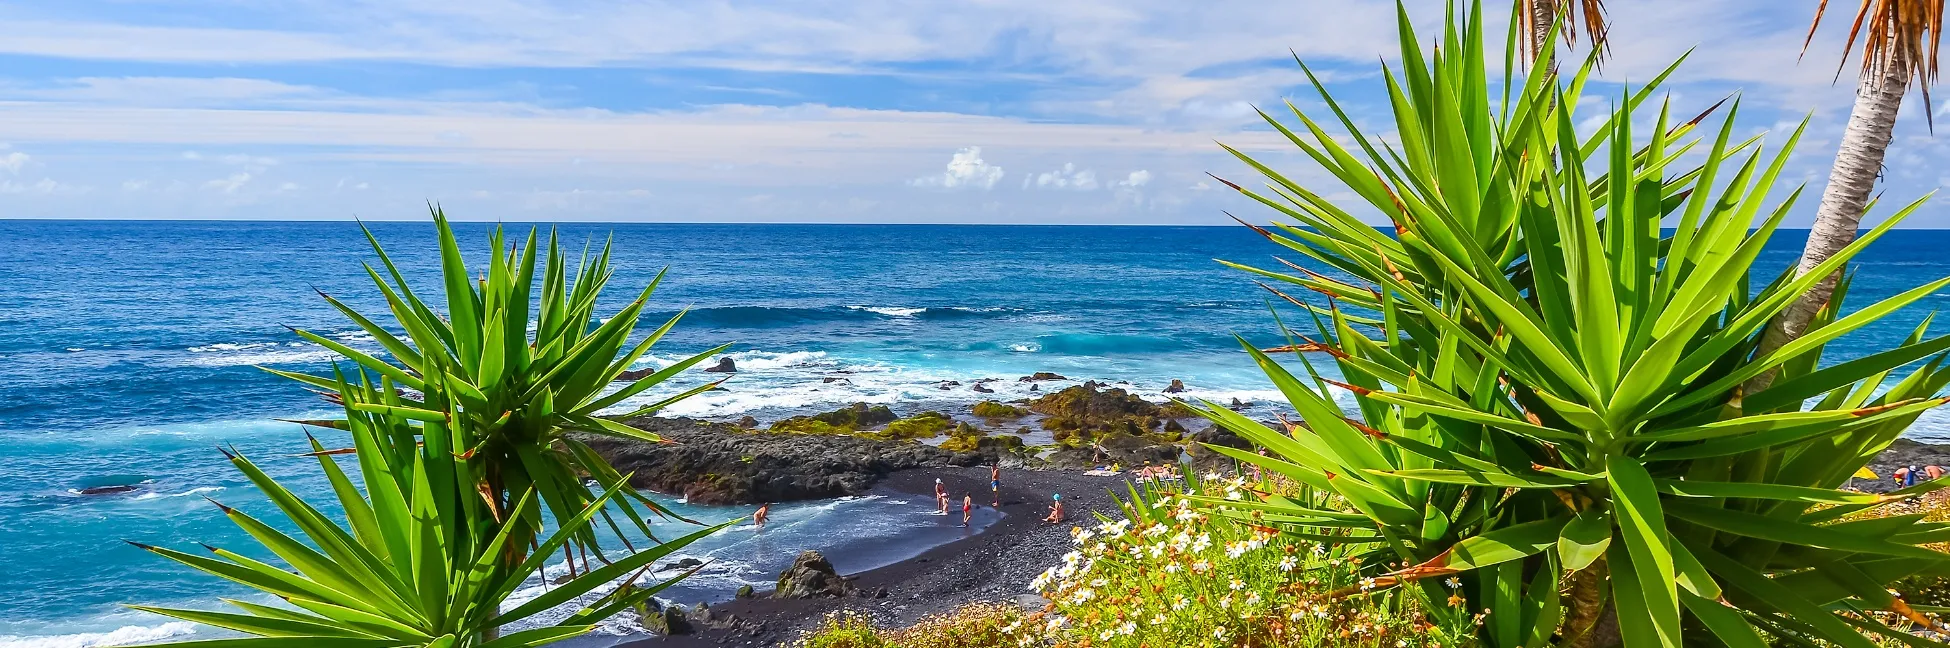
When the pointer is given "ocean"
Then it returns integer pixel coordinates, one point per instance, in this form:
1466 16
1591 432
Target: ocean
127 355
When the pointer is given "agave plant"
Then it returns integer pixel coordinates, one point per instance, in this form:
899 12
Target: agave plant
1549 387
420 565
520 380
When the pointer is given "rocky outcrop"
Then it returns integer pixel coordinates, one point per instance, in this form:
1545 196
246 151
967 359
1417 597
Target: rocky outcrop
633 375
980 388
1177 387
1084 412
1040 376
719 463
852 418
811 576
724 366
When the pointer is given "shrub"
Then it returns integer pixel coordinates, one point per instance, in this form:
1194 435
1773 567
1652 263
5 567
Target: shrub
844 629
977 625
1171 574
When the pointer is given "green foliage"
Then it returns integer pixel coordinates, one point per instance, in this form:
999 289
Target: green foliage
463 450
1548 387
518 380
995 410
844 630
423 563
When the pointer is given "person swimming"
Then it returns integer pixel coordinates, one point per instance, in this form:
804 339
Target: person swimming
764 511
1055 509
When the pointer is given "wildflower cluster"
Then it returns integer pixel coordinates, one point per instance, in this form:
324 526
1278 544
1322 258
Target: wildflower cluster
1174 575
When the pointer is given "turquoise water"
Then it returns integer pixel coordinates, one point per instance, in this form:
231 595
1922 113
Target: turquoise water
127 353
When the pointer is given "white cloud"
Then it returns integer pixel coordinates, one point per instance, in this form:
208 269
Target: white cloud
231 184
965 169
12 162
238 159
134 185
1068 177
1137 179
44 186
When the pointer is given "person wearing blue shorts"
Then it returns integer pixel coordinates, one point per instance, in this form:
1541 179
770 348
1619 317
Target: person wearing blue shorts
995 484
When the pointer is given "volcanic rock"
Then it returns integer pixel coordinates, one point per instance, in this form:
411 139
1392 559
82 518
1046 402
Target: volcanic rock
719 463
724 366
1041 375
811 576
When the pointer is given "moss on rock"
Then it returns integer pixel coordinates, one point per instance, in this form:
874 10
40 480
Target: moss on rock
995 410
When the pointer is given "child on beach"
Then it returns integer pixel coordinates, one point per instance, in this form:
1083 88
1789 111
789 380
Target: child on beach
941 496
967 508
1055 509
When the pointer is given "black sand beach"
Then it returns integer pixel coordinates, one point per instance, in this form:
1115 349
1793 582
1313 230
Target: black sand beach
995 564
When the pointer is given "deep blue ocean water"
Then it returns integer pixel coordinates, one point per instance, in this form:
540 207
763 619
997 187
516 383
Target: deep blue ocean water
127 353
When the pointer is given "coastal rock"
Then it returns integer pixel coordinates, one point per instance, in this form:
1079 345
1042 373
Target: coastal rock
1080 413
946 385
1040 376
686 563
1215 436
116 489
1237 405
811 576
835 379
983 389
633 375
719 463
747 422
1033 387
1173 427
745 592
659 619
724 366
1177 387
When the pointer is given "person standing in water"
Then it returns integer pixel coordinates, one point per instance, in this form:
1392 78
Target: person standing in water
967 508
764 511
941 496
995 484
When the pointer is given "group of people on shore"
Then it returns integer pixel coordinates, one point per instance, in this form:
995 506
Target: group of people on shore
1056 512
968 500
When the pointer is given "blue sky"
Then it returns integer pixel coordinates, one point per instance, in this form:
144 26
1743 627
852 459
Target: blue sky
970 111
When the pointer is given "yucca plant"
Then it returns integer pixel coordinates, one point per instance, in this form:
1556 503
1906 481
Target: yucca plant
411 571
1548 385
523 370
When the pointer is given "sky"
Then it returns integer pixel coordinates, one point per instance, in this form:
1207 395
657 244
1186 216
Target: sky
959 111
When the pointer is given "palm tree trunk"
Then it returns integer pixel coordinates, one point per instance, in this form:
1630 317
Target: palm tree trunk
1542 14
1857 165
